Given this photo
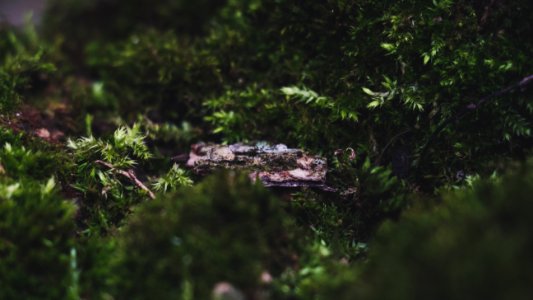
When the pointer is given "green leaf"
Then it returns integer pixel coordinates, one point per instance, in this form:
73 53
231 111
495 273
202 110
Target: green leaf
387 46
368 91
373 104
426 59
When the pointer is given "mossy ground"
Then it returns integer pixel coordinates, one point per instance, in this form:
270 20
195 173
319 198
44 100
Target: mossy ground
433 190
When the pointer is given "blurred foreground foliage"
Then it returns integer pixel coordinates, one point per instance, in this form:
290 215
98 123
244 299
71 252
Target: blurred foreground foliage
475 243
379 88
224 229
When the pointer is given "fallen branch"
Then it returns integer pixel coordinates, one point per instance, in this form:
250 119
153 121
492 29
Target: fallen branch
130 174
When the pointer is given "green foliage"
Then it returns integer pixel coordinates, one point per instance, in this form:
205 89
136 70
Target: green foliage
108 195
36 231
317 262
23 67
175 177
104 20
168 133
20 163
155 70
384 67
345 221
25 158
96 276
454 70
309 97
476 238
375 77
229 111
297 114
122 150
353 74
9 98
172 240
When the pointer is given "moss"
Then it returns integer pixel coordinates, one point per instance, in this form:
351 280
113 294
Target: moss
475 244
172 239
379 78
100 165
36 236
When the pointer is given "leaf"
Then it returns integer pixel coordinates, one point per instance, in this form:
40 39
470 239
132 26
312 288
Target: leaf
368 91
49 186
426 59
387 46
373 104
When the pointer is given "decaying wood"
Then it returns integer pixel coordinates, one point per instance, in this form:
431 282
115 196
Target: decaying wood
275 166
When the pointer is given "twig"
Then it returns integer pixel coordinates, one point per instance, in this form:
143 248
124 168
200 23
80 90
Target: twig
130 174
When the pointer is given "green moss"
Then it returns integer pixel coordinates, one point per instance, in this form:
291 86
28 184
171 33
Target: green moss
36 236
157 73
100 165
104 20
23 157
371 76
224 229
19 162
476 244
24 66
95 259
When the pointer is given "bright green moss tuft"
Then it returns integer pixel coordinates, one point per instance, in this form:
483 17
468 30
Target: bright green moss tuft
100 165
